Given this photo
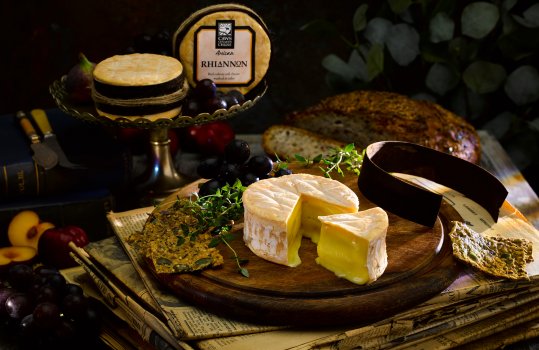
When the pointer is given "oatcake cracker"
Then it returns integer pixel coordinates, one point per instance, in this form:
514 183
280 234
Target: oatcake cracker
496 256
165 242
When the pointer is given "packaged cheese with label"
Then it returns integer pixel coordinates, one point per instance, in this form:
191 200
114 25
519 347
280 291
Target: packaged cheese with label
227 43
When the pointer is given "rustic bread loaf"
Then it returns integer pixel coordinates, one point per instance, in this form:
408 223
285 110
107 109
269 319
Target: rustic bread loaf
364 117
287 141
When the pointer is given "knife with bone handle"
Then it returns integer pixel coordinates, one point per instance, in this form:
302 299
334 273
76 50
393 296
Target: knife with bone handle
49 138
43 155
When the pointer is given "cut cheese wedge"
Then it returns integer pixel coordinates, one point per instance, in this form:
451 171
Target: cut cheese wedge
278 212
353 246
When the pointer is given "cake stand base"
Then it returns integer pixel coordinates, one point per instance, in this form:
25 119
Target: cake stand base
162 178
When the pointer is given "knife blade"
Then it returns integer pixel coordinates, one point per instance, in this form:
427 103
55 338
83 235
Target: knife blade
43 155
50 139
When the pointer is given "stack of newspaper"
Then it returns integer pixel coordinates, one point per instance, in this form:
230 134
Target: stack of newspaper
474 308
475 311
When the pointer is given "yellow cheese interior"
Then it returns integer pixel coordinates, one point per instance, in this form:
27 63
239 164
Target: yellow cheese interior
294 236
312 209
343 253
304 222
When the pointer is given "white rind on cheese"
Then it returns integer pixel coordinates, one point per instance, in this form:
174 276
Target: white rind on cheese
353 246
273 213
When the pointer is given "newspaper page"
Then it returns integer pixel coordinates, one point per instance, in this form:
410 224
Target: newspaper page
469 285
96 288
185 320
478 330
112 257
144 322
420 323
521 332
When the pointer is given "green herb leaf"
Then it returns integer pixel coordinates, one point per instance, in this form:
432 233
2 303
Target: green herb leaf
347 157
360 19
244 272
163 261
180 241
317 159
300 158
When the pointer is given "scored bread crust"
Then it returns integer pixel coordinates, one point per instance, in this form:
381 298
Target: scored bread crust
363 117
286 141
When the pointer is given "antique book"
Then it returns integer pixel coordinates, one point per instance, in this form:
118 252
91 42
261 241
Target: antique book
107 163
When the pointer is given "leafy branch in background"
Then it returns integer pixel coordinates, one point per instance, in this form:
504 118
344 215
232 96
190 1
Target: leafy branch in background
479 59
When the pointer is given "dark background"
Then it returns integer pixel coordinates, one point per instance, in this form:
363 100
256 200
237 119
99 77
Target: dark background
41 40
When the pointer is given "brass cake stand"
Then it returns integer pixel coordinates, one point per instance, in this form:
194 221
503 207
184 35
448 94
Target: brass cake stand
162 178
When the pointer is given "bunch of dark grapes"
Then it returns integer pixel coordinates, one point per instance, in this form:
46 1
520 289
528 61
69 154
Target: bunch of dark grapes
235 164
205 97
42 310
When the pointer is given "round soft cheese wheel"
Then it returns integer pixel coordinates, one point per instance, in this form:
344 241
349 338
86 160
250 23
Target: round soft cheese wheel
137 69
226 43
139 85
279 211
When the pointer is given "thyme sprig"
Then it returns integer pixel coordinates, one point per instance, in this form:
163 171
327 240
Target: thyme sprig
339 158
217 212
225 238
221 208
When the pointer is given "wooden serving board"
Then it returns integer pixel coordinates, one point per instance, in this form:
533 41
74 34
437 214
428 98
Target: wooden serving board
420 265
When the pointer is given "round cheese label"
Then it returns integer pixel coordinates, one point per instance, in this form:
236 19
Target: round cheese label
227 43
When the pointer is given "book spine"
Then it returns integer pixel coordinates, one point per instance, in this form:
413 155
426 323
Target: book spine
27 180
21 180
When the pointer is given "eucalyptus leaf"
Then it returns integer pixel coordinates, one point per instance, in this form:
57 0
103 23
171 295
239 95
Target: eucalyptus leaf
463 49
359 20
335 64
476 104
441 78
403 43
406 16
357 63
484 77
534 124
399 6
375 61
530 17
522 43
377 29
321 28
479 18
434 53
522 85
500 124
509 24
423 96
523 147
508 4
457 101
441 27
